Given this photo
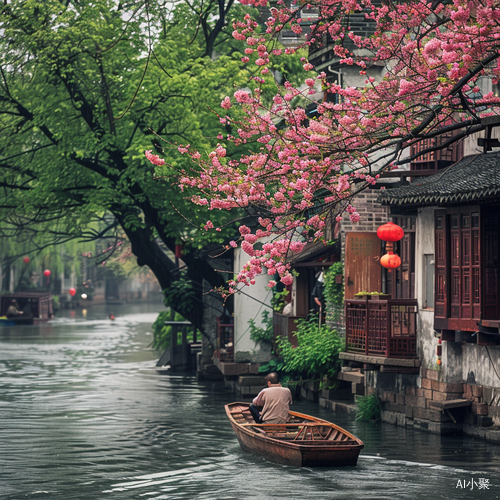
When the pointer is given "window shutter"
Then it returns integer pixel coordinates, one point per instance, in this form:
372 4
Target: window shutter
489 291
441 275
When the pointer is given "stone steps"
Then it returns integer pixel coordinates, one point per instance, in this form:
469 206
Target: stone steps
357 380
353 376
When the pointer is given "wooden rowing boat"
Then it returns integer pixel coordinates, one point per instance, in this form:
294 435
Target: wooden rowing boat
303 441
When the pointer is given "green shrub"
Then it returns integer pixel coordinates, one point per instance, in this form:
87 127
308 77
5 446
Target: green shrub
56 302
368 408
317 353
278 301
263 335
162 333
181 295
334 295
275 365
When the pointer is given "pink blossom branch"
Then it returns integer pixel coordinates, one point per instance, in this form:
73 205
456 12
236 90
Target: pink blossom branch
308 169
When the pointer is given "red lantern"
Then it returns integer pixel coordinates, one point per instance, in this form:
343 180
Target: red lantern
72 292
46 273
390 232
178 251
390 260
26 260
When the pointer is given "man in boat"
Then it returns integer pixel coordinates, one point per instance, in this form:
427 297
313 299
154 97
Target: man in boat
13 310
272 404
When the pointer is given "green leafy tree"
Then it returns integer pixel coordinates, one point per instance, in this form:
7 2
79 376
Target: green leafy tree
85 88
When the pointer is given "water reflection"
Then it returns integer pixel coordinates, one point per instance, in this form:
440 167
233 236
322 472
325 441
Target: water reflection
83 414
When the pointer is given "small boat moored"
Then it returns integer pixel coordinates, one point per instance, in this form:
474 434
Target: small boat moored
303 441
20 320
36 306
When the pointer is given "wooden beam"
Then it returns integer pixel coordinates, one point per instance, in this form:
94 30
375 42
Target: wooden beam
399 369
448 335
379 360
486 339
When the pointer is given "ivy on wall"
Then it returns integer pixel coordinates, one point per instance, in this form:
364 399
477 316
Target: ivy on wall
333 291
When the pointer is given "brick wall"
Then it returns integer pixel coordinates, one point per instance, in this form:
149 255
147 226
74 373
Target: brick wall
372 214
424 405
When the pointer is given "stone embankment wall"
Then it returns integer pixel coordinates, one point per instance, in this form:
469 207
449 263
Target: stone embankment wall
419 400
443 407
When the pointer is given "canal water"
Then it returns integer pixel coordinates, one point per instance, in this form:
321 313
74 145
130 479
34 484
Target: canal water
84 415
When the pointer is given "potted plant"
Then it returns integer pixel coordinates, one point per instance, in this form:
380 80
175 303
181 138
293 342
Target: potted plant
379 296
372 295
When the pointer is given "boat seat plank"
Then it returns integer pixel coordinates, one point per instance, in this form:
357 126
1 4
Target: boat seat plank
333 434
326 443
260 431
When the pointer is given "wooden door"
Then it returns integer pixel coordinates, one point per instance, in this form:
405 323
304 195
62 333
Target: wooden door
363 271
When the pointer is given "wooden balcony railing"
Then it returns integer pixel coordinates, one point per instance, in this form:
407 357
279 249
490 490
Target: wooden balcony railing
384 328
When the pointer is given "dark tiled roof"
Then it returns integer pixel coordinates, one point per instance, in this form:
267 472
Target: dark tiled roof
313 252
473 179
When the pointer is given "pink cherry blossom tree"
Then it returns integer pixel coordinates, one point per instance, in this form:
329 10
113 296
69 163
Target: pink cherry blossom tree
304 172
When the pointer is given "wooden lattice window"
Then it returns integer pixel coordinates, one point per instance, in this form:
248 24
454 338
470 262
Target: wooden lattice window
458 268
401 281
432 161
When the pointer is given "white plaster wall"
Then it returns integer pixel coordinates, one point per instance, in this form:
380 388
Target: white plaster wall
13 281
481 365
424 244
246 308
470 143
352 78
451 367
293 298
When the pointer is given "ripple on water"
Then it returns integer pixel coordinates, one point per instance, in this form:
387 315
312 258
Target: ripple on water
84 415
